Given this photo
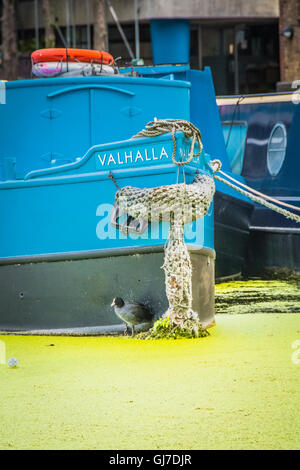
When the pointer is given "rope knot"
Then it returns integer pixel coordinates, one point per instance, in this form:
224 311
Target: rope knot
164 126
215 165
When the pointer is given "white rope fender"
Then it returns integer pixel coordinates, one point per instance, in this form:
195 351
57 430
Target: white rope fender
182 203
179 204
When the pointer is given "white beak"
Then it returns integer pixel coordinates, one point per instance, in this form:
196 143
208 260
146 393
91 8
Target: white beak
113 303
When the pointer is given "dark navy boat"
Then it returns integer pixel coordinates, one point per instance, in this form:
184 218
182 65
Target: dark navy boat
262 139
64 142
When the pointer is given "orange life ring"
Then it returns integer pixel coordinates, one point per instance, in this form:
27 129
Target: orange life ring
71 55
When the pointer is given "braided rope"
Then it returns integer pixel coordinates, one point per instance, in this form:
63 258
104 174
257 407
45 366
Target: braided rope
154 203
179 204
254 191
260 200
186 201
165 126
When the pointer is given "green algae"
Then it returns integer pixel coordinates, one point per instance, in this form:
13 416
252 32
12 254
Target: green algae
237 388
258 296
163 329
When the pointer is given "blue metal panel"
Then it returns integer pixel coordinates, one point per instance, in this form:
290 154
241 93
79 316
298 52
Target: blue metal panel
235 138
170 41
160 71
61 118
205 114
67 208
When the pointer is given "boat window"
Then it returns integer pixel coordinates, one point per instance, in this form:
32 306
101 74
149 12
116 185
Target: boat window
276 149
235 138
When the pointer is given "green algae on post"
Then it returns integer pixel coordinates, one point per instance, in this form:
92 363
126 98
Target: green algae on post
164 329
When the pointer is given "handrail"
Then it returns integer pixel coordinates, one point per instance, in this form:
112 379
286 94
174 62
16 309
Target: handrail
88 87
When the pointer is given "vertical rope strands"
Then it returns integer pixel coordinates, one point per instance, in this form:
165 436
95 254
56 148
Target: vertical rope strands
184 203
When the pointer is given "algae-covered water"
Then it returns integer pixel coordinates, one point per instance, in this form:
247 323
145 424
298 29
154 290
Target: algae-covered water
258 296
238 388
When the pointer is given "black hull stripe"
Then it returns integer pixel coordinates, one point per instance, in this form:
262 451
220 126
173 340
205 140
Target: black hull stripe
275 229
78 255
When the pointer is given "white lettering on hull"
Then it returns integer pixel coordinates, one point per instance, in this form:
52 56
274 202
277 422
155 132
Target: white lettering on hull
130 157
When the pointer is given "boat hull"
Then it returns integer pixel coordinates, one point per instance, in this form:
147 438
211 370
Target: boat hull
64 255
232 217
274 241
77 292
274 251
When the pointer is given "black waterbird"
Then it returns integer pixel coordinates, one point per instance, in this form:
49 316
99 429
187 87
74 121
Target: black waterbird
132 313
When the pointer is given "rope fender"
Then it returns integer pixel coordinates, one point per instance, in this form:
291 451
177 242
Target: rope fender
153 203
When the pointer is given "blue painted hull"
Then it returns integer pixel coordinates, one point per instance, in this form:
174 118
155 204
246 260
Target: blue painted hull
49 122
61 259
56 154
67 209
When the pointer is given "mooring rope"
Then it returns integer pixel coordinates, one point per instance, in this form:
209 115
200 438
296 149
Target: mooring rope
264 196
260 200
164 126
180 203
154 203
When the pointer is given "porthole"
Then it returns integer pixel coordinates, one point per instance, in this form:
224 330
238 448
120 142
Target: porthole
276 149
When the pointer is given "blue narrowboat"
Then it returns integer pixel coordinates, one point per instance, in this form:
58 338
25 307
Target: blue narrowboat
65 144
61 265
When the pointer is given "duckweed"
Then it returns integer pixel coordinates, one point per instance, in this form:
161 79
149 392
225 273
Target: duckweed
258 296
237 388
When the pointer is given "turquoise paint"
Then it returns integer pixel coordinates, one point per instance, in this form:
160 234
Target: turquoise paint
67 208
56 151
170 41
